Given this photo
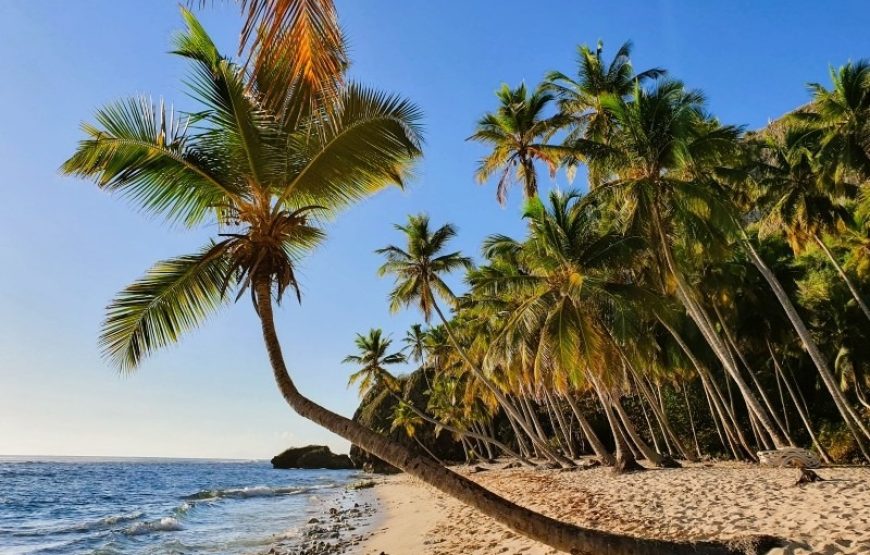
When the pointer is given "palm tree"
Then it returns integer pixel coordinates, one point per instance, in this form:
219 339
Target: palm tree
373 359
660 137
415 343
580 98
801 197
418 272
839 119
567 289
518 132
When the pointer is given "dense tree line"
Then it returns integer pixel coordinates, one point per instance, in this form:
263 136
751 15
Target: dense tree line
708 276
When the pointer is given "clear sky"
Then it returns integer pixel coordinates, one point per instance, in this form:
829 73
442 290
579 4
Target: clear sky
66 248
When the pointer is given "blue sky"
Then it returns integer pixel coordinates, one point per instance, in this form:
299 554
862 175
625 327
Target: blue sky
66 248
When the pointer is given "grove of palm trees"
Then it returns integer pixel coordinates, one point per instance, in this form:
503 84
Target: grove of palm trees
685 290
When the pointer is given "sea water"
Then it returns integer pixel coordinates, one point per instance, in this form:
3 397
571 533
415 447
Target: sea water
156 506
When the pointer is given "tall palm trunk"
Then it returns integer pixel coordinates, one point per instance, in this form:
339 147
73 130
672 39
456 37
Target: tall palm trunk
729 424
692 421
500 396
559 535
699 315
850 417
733 343
854 290
598 448
803 416
560 420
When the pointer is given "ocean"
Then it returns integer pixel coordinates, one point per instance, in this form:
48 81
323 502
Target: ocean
96 506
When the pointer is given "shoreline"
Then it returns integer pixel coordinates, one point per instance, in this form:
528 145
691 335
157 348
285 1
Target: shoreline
342 523
700 501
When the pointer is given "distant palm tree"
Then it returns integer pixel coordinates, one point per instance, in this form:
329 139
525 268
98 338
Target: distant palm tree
580 98
840 119
799 197
518 132
415 343
373 359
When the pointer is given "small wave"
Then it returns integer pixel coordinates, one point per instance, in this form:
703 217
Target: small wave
241 493
165 524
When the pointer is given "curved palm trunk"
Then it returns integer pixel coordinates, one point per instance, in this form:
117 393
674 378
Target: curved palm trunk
733 343
598 448
502 399
699 315
556 534
803 416
850 417
426 449
729 424
854 290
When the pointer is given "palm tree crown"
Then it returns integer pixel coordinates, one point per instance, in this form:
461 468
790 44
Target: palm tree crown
264 177
373 358
420 266
518 132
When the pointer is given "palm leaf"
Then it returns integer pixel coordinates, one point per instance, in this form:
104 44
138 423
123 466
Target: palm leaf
173 297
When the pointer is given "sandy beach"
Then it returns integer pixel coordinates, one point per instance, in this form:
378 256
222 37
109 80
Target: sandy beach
700 501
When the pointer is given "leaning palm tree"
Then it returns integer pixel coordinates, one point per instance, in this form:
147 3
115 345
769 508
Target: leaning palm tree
652 187
266 180
518 132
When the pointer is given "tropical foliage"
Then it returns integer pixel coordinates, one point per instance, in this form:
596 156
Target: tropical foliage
705 297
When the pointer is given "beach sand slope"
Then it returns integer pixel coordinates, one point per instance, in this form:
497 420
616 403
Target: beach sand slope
700 501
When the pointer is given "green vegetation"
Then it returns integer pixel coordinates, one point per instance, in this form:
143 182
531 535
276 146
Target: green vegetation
706 297
706 268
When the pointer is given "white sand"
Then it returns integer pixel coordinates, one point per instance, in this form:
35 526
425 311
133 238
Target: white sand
725 500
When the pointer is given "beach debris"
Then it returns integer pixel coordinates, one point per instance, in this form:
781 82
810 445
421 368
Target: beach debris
807 476
477 469
513 464
789 456
362 484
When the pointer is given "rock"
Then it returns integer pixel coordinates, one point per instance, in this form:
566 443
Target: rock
314 521
312 456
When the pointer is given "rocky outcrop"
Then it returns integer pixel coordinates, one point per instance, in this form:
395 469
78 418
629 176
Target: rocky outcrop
311 456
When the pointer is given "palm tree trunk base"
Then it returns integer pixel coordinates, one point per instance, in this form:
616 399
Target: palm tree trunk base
669 462
626 465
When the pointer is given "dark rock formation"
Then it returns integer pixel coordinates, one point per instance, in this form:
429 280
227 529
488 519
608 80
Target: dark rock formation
311 456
